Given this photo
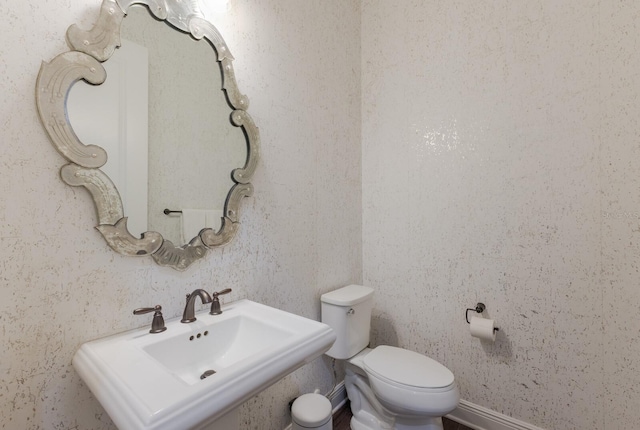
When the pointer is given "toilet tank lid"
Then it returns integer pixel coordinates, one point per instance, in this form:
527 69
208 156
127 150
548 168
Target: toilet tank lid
347 296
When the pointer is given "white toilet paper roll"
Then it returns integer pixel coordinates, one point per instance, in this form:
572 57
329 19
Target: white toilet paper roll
483 328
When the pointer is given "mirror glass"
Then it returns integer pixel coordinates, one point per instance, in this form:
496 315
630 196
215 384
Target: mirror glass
164 121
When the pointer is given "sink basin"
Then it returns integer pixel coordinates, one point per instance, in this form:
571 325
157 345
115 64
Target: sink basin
192 374
215 347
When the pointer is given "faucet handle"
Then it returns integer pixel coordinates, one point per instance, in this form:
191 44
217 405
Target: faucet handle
219 293
157 325
215 303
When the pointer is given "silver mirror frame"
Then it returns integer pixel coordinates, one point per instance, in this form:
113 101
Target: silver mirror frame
88 50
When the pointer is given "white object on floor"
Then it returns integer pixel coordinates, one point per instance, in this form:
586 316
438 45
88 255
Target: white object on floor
311 411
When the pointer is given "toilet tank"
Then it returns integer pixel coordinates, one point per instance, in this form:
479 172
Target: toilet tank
348 312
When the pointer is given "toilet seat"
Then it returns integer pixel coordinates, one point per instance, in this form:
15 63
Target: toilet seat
405 368
410 383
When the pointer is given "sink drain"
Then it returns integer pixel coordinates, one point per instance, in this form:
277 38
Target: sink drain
207 373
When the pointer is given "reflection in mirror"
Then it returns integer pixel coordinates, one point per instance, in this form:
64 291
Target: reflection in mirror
192 145
114 115
170 121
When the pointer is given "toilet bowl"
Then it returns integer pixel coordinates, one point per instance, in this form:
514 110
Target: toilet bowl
388 387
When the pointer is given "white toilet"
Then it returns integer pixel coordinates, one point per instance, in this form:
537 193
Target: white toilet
388 387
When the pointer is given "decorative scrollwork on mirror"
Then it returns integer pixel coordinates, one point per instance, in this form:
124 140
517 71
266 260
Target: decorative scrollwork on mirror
83 62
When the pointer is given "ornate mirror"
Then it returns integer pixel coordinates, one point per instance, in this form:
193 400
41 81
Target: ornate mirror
181 146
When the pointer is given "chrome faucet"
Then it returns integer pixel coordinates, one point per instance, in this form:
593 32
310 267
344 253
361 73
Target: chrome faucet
189 310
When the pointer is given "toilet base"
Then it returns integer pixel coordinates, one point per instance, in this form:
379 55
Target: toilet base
436 424
432 424
369 414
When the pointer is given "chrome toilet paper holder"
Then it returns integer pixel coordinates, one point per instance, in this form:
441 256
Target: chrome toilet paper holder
480 307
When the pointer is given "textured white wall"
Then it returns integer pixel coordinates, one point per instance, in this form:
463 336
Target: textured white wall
499 147
500 164
60 284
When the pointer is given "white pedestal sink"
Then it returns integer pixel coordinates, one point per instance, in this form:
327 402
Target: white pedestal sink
153 381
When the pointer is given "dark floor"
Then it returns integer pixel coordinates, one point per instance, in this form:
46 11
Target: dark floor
343 416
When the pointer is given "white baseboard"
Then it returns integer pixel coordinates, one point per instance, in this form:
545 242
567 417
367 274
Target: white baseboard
480 418
337 398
